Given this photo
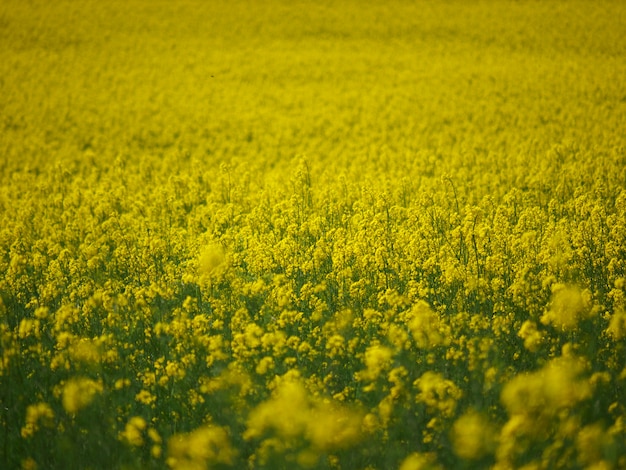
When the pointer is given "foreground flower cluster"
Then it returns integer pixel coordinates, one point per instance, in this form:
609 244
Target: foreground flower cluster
428 272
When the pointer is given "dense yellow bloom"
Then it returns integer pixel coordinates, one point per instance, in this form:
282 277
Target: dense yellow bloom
79 393
204 447
145 397
568 306
335 345
210 260
472 436
265 364
318 240
377 360
617 325
29 327
518 426
331 427
137 433
438 393
417 461
426 326
291 412
284 413
86 351
592 444
37 415
557 385
531 336
174 369
133 431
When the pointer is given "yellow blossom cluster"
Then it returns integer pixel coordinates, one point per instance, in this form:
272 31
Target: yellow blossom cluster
319 235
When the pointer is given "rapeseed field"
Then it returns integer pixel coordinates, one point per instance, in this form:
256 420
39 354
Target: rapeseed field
313 234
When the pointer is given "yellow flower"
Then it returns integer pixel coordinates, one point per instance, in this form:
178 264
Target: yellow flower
510 445
426 326
592 442
332 427
472 436
42 313
370 423
121 383
154 436
285 412
133 431
145 397
377 360
265 364
568 306
79 393
252 335
29 464
39 413
438 393
156 451
29 327
420 461
557 385
531 336
617 325
291 413
86 351
211 262
204 447
335 345
174 369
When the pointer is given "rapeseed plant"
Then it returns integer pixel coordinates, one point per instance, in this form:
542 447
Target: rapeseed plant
389 236
78 393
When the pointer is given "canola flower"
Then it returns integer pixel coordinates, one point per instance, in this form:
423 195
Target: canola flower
36 416
266 235
205 446
78 393
297 420
473 436
568 306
